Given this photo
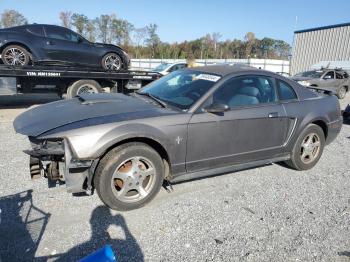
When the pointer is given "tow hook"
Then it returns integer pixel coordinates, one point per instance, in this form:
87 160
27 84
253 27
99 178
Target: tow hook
168 186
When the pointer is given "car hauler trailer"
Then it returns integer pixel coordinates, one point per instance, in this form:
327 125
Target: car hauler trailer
74 80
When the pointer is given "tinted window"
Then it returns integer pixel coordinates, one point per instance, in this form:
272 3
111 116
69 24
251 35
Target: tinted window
338 76
177 67
247 90
61 34
329 75
36 30
286 92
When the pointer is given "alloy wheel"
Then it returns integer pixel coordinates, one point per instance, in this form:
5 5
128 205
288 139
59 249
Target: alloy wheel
15 56
113 62
310 148
133 180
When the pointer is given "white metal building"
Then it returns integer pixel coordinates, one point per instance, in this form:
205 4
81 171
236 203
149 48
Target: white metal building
328 43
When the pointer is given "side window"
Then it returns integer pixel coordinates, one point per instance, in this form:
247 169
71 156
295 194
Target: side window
329 75
36 30
173 68
338 76
245 91
286 92
60 34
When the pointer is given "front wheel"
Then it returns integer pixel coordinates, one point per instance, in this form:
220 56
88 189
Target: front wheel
112 61
129 176
15 55
341 93
308 148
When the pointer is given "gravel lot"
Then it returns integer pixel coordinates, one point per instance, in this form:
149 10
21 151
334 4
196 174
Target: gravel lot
270 213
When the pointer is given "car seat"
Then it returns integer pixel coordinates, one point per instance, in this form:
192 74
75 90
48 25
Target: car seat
245 96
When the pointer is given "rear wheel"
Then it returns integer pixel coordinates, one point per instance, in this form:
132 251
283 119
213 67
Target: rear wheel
341 93
129 176
307 149
81 87
112 61
15 55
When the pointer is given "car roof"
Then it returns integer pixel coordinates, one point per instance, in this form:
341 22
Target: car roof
223 70
30 25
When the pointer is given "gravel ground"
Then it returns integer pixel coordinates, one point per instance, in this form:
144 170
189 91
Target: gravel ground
270 213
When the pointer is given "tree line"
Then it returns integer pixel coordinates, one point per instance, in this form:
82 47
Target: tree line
145 42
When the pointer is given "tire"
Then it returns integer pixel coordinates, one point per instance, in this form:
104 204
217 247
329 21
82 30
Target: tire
131 162
15 55
112 61
341 92
83 87
297 161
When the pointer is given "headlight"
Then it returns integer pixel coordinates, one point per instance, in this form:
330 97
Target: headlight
304 83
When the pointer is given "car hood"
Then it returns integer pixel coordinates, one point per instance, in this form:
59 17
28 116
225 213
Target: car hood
95 107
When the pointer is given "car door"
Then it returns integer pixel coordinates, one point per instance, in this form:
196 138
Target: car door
62 44
254 127
328 80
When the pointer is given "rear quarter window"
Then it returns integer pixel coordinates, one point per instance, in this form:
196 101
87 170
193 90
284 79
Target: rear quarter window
36 30
285 91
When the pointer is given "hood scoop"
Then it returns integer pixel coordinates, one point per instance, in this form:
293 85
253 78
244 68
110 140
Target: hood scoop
91 99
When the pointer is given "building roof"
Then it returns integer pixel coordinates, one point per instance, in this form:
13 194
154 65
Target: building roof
321 28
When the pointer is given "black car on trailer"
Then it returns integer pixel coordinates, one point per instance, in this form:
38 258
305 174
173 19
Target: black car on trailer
56 45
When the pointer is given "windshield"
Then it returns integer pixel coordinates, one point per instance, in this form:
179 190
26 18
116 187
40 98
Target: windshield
312 74
181 88
161 67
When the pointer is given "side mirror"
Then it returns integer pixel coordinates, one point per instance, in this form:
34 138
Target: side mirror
217 108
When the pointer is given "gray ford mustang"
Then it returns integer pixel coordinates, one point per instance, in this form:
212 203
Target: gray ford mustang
191 123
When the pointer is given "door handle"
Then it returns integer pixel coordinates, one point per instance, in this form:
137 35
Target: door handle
273 115
49 43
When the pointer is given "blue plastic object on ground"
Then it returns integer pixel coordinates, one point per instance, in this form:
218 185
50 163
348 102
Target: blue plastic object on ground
104 254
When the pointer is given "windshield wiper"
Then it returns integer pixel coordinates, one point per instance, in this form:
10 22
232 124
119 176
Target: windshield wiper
155 98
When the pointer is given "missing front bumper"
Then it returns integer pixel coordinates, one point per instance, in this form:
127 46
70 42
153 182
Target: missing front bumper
55 161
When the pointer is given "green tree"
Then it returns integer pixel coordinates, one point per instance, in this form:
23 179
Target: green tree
79 21
90 31
139 36
121 31
152 39
11 18
66 18
282 48
102 24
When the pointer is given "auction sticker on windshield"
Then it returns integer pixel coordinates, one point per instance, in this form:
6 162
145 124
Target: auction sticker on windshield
212 78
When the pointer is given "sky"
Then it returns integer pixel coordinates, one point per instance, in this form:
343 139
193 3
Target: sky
180 20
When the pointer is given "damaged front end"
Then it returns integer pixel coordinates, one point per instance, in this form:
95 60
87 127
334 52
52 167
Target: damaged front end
53 159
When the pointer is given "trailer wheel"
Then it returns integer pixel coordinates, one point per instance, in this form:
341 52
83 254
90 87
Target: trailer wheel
83 87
